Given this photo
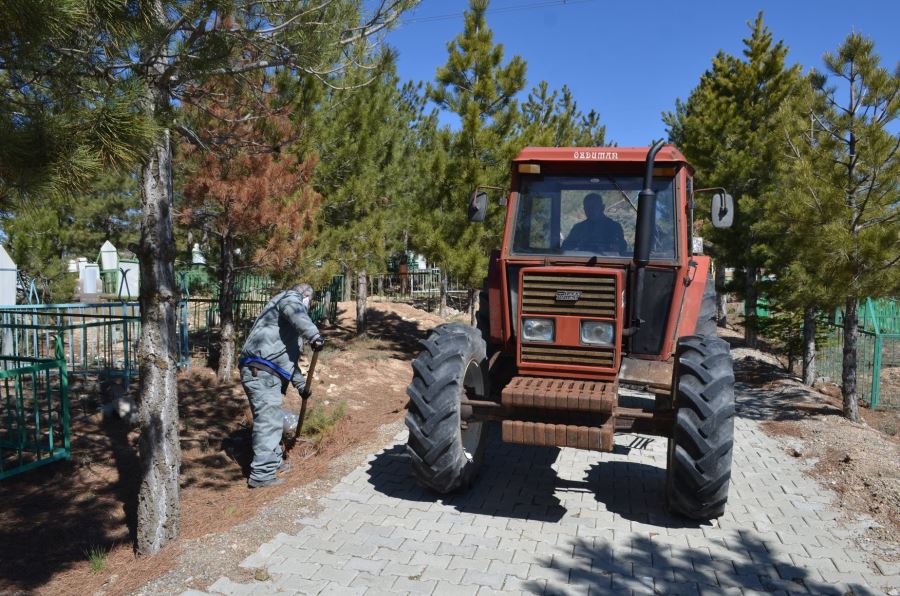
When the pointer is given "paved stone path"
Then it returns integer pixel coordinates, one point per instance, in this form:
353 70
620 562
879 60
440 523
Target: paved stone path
563 521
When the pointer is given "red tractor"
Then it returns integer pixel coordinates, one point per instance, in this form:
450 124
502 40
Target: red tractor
598 317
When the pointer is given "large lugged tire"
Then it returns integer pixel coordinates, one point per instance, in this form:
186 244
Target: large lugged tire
706 321
444 455
700 448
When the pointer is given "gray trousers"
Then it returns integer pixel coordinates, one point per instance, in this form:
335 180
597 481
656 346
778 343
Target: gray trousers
264 393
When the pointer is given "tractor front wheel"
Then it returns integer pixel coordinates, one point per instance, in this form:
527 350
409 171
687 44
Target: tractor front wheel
700 447
444 448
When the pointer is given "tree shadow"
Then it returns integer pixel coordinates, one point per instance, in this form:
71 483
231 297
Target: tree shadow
768 392
655 563
214 431
400 336
52 516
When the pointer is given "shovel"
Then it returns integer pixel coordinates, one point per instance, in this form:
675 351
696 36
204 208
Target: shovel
304 396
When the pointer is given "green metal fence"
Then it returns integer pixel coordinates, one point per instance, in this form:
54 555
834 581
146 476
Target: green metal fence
97 339
34 407
878 352
324 301
252 293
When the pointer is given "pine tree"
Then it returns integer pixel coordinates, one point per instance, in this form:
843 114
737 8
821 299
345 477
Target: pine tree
837 193
726 130
62 125
369 140
552 119
248 191
479 89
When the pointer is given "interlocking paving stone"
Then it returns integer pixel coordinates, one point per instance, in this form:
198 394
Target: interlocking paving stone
563 521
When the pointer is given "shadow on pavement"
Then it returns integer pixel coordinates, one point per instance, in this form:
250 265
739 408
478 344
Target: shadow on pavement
642 564
663 554
515 481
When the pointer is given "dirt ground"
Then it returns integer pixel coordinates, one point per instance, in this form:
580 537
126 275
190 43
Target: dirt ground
860 462
53 517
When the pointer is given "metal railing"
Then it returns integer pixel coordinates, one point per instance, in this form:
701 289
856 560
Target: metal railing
97 339
878 352
203 316
412 285
34 411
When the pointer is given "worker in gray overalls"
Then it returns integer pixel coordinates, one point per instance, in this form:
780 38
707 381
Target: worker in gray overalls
268 363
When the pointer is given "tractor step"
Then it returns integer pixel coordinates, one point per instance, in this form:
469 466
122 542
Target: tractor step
593 438
560 394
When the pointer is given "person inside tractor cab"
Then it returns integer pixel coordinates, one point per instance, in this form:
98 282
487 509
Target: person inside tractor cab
597 233
268 363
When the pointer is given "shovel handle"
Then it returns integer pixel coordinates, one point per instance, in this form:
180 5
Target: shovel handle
304 396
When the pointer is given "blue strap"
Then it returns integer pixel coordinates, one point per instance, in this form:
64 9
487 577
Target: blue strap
281 372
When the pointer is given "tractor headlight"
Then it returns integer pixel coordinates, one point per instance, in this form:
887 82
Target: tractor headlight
598 333
538 329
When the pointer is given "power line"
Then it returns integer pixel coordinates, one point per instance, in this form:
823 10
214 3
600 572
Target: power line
494 11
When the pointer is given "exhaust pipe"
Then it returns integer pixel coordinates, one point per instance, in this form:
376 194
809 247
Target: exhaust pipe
643 234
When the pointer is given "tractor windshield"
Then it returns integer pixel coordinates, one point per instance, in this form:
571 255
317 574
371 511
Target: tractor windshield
590 216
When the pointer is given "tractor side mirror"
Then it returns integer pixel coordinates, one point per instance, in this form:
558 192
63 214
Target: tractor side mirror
722 209
478 204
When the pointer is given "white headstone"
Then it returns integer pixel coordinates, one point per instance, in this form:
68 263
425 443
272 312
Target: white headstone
73 266
90 278
7 278
109 256
197 257
130 279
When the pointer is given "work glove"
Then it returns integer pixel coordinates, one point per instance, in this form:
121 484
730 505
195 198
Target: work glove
317 343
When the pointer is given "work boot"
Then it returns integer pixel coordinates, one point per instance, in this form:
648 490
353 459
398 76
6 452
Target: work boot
265 483
284 467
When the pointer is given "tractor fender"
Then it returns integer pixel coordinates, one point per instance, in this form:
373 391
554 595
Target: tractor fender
695 280
495 298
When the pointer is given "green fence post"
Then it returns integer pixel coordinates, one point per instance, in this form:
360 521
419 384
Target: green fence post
876 357
876 373
64 398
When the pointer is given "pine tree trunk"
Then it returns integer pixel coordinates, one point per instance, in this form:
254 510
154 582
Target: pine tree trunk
470 296
159 505
750 307
361 295
721 296
851 331
442 311
848 374
809 346
348 282
226 309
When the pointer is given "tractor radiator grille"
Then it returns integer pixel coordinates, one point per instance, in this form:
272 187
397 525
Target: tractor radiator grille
579 355
552 294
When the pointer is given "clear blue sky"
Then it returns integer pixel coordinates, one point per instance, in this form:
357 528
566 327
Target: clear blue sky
630 60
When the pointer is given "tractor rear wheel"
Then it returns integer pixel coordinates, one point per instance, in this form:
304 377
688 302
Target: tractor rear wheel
700 447
445 449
